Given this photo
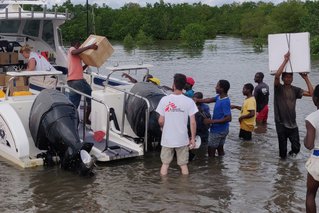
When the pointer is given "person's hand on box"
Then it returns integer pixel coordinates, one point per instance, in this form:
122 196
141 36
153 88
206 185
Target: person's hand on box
93 46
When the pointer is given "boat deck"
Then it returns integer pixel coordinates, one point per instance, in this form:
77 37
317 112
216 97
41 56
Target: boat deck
114 151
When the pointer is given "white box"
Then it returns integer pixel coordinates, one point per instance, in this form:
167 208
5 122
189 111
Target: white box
297 44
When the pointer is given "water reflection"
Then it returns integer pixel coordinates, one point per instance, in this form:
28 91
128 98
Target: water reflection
193 53
54 191
285 179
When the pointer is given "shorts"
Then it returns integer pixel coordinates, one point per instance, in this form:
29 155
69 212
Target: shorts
182 155
312 166
217 139
262 116
246 135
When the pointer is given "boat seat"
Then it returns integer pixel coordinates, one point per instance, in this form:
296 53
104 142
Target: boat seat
2 94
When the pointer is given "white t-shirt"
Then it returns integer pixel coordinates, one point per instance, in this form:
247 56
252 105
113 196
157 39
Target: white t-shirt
176 109
312 164
313 118
42 63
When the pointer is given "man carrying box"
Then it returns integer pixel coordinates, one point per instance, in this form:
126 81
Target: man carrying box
285 96
75 76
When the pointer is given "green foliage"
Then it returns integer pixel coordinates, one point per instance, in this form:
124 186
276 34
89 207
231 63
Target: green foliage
315 45
258 44
286 17
129 42
193 35
165 21
142 39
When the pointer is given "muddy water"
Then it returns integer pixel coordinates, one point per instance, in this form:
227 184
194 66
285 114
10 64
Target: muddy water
249 178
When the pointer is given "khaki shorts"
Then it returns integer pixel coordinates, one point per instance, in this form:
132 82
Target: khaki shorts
182 154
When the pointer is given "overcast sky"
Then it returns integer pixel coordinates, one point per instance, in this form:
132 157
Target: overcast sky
120 3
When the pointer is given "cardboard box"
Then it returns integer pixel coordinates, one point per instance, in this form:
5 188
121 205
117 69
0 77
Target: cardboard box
7 58
97 57
4 58
17 89
18 81
2 79
14 58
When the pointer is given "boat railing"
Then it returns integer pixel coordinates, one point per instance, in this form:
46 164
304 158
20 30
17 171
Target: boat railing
107 108
15 75
45 12
128 68
147 112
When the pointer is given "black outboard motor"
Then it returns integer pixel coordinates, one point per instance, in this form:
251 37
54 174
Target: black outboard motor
53 125
135 109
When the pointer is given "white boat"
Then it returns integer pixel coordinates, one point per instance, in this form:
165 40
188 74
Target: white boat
41 30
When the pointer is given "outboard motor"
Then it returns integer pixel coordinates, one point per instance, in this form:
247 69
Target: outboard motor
53 125
136 107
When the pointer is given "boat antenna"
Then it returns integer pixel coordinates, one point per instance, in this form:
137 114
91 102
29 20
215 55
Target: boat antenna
93 21
87 18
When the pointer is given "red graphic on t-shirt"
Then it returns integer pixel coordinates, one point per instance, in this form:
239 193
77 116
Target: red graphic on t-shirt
170 106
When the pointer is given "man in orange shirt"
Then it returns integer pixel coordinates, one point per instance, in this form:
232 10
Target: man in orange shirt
75 76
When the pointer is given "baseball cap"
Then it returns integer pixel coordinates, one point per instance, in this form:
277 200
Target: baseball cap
155 81
190 81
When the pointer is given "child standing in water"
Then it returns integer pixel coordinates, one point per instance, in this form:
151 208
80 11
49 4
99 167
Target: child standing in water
311 142
247 118
219 124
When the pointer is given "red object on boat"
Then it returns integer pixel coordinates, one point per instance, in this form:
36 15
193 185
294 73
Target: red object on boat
98 136
45 54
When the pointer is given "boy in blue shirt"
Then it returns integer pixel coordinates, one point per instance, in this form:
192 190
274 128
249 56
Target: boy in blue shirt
221 117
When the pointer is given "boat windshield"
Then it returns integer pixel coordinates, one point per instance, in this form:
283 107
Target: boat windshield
47 33
60 37
31 28
9 26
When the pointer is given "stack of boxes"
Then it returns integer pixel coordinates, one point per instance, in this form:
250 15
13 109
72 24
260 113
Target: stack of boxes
18 84
8 58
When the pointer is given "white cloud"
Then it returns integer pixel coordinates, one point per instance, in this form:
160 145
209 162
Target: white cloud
120 3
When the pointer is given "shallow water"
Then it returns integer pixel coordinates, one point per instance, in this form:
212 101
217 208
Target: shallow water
249 178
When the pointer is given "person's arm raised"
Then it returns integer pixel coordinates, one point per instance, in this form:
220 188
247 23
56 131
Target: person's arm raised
309 85
281 68
82 49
